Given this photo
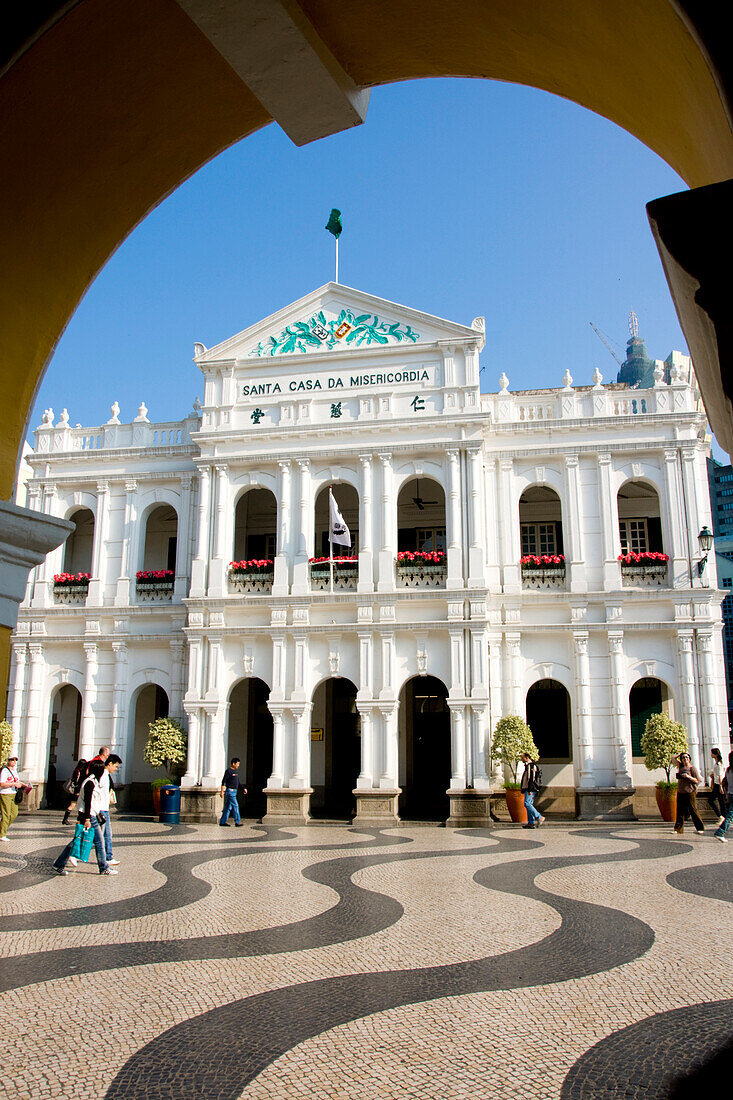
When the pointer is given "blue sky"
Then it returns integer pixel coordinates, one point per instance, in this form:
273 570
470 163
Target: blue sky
459 198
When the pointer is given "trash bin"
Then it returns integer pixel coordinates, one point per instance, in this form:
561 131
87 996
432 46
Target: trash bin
170 805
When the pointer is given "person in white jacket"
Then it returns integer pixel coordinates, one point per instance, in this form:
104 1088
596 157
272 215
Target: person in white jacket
88 805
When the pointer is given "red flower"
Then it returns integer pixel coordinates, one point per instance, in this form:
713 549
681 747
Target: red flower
644 557
538 561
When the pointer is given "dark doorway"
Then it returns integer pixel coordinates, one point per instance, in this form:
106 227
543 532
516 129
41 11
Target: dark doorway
250 738
645 699
424 703
548 716
336 759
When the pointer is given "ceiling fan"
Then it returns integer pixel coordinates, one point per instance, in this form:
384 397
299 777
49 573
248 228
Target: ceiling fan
418 500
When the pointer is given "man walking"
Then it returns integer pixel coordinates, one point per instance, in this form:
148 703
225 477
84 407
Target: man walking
106 790
530 785
229 787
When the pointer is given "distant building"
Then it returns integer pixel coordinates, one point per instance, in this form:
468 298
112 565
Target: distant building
720 479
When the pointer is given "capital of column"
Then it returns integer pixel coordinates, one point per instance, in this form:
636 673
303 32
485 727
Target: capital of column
120 651
19 650
365 459
102 488
616 642
130 485
670 456
36 652
571 461
304 464
580 643
604 458
385 457
285 465
91 649
186 482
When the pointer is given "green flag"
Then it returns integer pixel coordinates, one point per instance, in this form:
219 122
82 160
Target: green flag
334 223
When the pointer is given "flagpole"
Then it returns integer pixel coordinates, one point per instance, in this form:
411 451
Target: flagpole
330 522
337 260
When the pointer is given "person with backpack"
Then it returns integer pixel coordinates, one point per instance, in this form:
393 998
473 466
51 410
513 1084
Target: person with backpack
88 807
531 785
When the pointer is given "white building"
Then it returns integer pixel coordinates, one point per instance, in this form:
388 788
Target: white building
390 684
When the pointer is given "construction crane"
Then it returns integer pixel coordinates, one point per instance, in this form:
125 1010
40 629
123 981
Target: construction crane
606 342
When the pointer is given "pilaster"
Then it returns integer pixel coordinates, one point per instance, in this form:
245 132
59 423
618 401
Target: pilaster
619 711
199 567
573 512
126 583
584 710
306 521
388 508
281 580
95 596
366 526
454 532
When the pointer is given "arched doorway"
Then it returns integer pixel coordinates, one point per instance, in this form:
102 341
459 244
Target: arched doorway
421 515
648 696
151 702
80 543
548 716
425 743
255 526
335 749
249 736
63 744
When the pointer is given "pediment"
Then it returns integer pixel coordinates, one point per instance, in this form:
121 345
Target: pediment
336 318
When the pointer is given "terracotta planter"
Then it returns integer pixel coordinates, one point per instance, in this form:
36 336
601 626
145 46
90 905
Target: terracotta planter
667 802
515 805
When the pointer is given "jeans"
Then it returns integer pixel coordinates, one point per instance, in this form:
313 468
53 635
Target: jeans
723 829
107 834
231 806
63 859
533 815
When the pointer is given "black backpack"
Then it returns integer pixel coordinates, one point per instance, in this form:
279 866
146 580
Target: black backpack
535 783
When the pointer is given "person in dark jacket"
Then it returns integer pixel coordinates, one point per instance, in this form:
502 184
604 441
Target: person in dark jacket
229 786
529 787
688 780
89 804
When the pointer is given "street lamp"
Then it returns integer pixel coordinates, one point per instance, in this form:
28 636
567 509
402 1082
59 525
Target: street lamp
705 539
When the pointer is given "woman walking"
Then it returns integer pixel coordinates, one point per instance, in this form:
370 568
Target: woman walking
688 780
89 805
10 784
72 787
717 794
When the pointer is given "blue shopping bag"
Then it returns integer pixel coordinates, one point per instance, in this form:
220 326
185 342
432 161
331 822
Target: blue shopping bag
83 840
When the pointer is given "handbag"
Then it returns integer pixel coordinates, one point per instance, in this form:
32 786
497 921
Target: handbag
69 786
19 796
81 845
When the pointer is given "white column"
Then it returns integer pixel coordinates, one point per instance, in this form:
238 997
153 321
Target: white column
609 525
16 708
477 548
493 571
180 590
390 748
215 754
513 701
87 747
118 741
365 780
366 523
126 581
176 700
42 593
306 522
509 541
454 533
496 701
690 486
366 693
458 744
193 772
281 581
217 570
101 534
585 725
300 780
388 551
31 765
672 526
480 743
276 780
710 733
34 504
619 711
199 568
689 716
573 533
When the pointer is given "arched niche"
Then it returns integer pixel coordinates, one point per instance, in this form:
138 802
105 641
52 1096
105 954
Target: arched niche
540 521
647 696
548 716
347 502
63 742
639 518
421 515
161 539
79 546
255 525
425 749
149 702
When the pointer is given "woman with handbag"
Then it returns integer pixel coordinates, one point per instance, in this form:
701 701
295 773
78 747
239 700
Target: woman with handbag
71 788
12 789
89 805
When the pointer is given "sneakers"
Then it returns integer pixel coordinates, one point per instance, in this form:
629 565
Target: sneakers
113 862
699 831
720 820
721 838
59 870
528 826
542 821
223 824
238 824
109 871
73 861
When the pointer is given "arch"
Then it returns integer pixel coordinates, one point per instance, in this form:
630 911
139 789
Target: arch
347 500
65 708
335 748
255 524
79 547
648 695
548 715
425 749
159 538
427 470
639 516
540 520
147 702
421 522
249 736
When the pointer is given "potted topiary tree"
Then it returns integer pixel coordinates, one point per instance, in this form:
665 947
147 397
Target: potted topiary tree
164 748
661 740
6 740
512 737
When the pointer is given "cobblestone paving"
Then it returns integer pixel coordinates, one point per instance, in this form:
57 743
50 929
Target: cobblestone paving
390 964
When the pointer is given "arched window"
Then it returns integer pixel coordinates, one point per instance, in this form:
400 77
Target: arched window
161 537
548 716
255 526
80 543
421 515
648 696
639 522
540 521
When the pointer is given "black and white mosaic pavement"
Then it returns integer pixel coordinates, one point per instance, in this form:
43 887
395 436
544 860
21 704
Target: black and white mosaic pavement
405 962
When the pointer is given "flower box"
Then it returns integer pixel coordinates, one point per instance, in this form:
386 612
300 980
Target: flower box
254 575
421 569
154 584
645 570
71 587
345 573
543 570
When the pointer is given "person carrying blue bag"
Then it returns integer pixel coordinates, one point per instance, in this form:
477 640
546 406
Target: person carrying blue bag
89 826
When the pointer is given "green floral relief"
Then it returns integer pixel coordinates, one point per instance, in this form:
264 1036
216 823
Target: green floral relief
347 328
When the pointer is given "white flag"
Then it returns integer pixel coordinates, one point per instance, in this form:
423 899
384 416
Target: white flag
339 532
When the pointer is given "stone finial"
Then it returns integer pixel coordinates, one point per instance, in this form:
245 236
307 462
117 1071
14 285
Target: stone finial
196 407
479 324
198 349
115 410
63 419
142 414
567 380
658 374
503 383
47 418
597 379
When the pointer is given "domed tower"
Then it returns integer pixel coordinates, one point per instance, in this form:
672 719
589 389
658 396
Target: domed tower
638 369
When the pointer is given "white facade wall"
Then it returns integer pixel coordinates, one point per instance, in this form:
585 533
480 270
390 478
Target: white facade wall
483 633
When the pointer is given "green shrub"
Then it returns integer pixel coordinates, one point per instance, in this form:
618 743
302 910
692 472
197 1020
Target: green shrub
512 737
